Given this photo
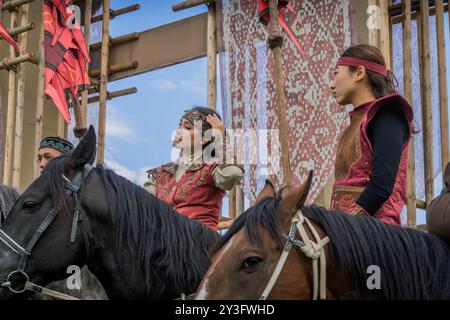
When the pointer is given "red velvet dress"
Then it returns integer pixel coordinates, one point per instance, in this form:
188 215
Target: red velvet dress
354 161
195 195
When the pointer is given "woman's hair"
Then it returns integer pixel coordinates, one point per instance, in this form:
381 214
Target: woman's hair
381 85
204 112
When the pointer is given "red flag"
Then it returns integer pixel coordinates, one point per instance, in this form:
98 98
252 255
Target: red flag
65 55
264 18
5 34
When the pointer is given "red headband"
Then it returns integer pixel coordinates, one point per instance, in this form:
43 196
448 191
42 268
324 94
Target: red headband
369 65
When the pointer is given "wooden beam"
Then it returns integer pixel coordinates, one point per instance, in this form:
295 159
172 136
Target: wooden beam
275 43
84 93
374 33
115 94
167 45
117 41
16 31
39 116
427 122
10 115
212 57
115 69
223 225
240 200
443 94
385 34
61 126
17 162
396 9
414 15
13 4
421 204
13 61
407 85
103 83
190 4
115 13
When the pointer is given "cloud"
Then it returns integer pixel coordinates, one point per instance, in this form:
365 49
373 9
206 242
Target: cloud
121 128
164 84
167 84
138 176
193 84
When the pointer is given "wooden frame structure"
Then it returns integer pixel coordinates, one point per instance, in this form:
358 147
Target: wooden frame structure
118 58
404 13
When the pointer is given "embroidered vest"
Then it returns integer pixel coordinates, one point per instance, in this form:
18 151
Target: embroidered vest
195 195
354 161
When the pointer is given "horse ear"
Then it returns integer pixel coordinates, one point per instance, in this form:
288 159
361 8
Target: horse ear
296 197
85 151
267 191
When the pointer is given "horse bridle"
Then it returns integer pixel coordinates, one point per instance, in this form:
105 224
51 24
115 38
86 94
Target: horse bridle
72 188
2 209
313 250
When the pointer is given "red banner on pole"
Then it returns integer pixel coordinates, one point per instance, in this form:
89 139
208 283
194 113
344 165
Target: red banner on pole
65 55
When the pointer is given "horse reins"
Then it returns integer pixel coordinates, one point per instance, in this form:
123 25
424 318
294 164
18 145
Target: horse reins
313 250
72 188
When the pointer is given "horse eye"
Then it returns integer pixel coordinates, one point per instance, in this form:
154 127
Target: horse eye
251 263
29 205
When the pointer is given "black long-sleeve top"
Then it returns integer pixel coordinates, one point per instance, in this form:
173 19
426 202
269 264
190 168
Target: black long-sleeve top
388 131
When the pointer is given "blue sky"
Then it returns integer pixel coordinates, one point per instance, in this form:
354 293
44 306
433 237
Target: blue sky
139 126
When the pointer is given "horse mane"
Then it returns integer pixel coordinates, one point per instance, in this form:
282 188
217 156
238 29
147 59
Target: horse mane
8 196
161 239
413 264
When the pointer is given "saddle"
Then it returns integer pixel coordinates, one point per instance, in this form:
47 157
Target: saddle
438 213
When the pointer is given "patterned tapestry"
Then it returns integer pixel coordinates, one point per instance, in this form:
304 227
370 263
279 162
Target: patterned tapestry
323 30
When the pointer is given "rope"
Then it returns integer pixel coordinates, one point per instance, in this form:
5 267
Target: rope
314 251
47 292
5 64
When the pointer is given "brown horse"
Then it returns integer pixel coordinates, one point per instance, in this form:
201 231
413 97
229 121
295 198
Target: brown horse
364 258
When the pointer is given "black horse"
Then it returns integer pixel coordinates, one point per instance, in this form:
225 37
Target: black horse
135 244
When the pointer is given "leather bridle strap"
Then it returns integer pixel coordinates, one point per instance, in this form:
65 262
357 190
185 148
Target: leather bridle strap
313 250
10 243
287 248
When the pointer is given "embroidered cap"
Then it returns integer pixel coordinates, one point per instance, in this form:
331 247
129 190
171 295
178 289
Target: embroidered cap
57 143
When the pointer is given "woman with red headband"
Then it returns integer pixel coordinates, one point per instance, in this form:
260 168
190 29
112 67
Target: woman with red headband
372 153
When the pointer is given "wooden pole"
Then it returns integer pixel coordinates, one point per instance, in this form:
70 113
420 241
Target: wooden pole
61 127
117 41
212 57
426 101
87 38
115 68
13 4
275 43
9 141
16 31
443 94
17 162
13 61
2 138
115 94
188 4
407 85
385 35
39 117
374 32
240 200
103 83
115 13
